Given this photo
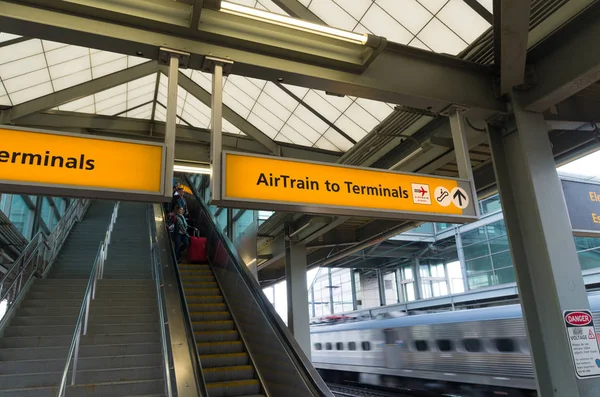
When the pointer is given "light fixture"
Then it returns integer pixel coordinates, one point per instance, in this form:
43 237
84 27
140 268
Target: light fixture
293 23
405 159
195 169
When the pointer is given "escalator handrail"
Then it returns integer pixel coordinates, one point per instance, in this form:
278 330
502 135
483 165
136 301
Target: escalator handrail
198 374
301 361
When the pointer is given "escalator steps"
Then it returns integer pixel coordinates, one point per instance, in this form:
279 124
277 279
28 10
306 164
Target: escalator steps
227 369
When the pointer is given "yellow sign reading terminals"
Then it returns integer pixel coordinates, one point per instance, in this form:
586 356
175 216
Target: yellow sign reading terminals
252 181
32 159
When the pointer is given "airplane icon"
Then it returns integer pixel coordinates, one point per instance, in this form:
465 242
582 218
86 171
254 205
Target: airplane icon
423 191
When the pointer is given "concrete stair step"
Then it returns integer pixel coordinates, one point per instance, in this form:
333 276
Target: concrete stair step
123 328
18 381
233 388
84 363
220 374
112 389
45 353
220 347
212 325
121 318
65 340
55 295
52 303
74 310
210 316
44 320
49 330
224 360
216 336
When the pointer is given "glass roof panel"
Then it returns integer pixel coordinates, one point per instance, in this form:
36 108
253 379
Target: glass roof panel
33 68
488 4
7 36
404 20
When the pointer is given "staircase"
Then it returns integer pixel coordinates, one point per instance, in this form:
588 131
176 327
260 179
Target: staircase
121 354
226 365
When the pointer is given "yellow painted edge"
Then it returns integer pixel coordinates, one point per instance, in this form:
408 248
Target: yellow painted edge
232 368
247 382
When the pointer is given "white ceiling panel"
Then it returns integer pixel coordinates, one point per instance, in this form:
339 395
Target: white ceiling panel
463 20
7 36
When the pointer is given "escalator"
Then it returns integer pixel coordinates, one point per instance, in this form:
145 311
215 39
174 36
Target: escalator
224 359
242 348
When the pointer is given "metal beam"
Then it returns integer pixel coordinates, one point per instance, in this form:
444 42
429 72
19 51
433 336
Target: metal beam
514 31
564 63
79 91
138 128
380 81
298 10
481 10
229 114
197 11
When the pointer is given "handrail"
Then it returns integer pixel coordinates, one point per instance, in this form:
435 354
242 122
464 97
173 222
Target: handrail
90 293
157 275
198 374
39 254
292 348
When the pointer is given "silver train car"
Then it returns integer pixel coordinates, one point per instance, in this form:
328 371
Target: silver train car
485 347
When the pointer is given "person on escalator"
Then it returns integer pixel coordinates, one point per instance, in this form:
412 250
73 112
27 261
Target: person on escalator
179 201
182 238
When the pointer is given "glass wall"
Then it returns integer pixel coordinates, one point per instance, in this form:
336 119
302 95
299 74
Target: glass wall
31 213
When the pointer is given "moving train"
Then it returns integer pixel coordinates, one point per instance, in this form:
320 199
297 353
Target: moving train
484 351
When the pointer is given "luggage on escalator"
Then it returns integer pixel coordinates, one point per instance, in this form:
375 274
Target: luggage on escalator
197 249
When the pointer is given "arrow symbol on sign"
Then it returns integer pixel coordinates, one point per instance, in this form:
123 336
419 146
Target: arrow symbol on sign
460 196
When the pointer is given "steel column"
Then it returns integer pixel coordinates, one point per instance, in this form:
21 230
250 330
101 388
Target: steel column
461 259
461 150
381 287
542 247
297 295
171 122
353 286
216 132
416 266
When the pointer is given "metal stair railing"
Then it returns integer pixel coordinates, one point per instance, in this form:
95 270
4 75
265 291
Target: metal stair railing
90 293
158 278
38 256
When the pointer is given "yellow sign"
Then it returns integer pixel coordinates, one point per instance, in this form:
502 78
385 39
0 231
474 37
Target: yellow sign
68 161
325 188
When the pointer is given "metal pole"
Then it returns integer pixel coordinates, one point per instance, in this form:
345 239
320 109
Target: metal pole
171 121
353 282
216 132
87 313
381 287
461 150
76 355
461 258
417 277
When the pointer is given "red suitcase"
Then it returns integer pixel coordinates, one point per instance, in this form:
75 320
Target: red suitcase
197 249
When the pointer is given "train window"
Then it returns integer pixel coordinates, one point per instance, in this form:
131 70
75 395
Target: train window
318 346
444 345
421 345
505 345
339 346
472 345
351 345
327 346
366 345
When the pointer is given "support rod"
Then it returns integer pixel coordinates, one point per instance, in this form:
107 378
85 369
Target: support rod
216 132
171 124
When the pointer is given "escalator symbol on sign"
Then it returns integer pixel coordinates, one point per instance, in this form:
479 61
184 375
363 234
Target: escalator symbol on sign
442 196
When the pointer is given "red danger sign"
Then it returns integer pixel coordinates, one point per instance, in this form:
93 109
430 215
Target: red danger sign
578 319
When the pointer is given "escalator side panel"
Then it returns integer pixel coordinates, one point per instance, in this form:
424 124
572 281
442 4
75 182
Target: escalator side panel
185 379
